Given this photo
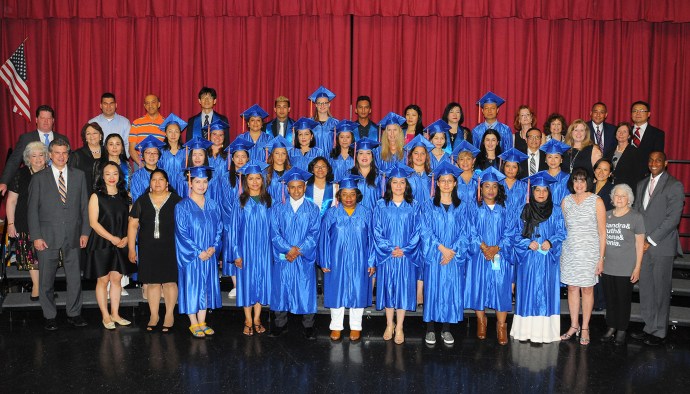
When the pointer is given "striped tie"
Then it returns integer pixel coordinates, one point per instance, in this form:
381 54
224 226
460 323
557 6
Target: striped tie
62 188
532 165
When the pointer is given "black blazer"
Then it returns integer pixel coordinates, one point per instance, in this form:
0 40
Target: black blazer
653 140
194 126
630 168
609 133
524 166
17 156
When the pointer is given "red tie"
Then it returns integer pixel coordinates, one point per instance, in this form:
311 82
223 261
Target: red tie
636 137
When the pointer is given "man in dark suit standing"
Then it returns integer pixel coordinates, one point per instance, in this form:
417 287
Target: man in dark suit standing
660 201
536 160
602 134
59 226
45 118
646 137
198 124
281 125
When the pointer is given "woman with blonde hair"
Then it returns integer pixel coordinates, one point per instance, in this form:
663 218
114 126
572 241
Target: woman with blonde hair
583 152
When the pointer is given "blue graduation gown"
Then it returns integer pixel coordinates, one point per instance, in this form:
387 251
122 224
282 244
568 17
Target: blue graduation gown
328 196
140 182
346 248
294 283
560 189
370 194
484 287
538 275
421 186
516 197
220 171
173 166
229 201
503 131
323 133
258 151
288 129
196 230
252 242
434 162
384 165
444 284
341 166
396 277
468 191
277 189
297 159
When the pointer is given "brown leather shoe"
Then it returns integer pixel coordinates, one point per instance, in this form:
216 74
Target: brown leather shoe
355 335
502 333
335 335
481 327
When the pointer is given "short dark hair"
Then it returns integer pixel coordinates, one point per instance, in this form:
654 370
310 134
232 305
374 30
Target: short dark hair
363 98
640 102
298 144
662 153
580 173
360 196
58 142
550 119
534 128
626 124
329 173
108 95
447 110
281 99
95 126
45 108
206 90
602 104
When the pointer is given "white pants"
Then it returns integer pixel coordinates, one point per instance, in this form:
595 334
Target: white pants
338 315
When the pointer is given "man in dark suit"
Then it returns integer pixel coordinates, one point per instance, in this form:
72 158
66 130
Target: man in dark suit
646 137
660 201
602 134
59 227
536 160
198 124
281 125
45 118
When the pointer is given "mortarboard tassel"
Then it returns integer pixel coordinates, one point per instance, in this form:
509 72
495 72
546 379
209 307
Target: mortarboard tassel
479 189
244 123
528 180
479 112
311 109
432 192
334 134
266 154
240 188
383 184
379 133
282 191
208 132
186 156
228 160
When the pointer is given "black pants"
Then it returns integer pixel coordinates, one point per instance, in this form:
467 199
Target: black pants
618 291
282 319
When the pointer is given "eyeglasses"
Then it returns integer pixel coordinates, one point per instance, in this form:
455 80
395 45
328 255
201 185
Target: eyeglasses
534 137
639 111
320 168
322 104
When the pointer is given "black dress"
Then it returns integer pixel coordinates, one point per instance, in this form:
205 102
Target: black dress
157 257
102 256
27 258
574 158
83 159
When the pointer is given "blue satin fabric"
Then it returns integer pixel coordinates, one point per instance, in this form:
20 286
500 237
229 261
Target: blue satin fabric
560 189
196 230
444 284
484 287
370 194
323 133
277 189
294 283
252 242
421 186
228 203
341 166
328 196
258 151
516 197
538 275
384 165
396 277
467 191
139 183
502 129
173 166
220 171
346 248
434 162
298 159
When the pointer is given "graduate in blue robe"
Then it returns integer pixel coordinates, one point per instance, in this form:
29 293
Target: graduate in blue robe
305 144
465 155
538 239
174 163
150 151
488 280
444 247
397 237
347 258
341 157
253 117
197 156
324 129
417 154
198 232
294 236
278 150
489 104
554 158
438 135
320 188
390 151
217 157
365 166
250 247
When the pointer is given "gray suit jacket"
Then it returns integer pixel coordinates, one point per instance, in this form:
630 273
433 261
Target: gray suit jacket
662 216
17 156
59 225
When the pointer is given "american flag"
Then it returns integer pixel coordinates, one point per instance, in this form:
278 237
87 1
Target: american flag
13 72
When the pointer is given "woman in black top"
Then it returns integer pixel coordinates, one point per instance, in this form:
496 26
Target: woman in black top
583 152
604 184
455 116
628 165
85 157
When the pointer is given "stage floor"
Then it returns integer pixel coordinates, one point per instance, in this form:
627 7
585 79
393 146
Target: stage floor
129 359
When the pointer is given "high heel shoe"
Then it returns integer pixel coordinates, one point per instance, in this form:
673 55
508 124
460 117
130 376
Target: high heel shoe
584 341
609 335
481 327
502 333
388 333
569 335
121 321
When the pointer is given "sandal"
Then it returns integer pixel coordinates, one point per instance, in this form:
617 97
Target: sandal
584 341
259 329
206 329
152 328
569 335
388 334
196 331
166 329
399 337
248 330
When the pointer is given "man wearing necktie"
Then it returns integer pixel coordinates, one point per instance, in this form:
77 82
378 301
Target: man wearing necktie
199 123
45 118
646 137
602 133
281 125
660 199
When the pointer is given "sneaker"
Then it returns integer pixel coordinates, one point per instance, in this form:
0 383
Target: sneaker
124 292
447 338
232 293
430 338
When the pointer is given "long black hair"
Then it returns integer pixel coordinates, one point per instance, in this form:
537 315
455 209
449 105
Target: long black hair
298 145
373 173
454 198
388 194
336 151
419 127
99 184
164 174
232 172
481 157
264 196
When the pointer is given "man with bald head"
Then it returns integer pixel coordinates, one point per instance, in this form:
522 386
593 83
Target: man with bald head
145 126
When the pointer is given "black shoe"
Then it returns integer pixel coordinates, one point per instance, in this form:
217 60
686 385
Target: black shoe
51 325
77 321
599 309
639 335
34 299
608 336
310 333
653 340
278 331
620 338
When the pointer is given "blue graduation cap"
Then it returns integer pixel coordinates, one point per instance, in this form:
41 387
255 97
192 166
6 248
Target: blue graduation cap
199 171
198 143
491 174
295 174
391 118
149 142
254 110
349 181
364 144
445 168
322 92
541 178
218 124
418 141
172 118
490 98
239 144
305 124
277 142
555 147
253 167
513 155
438 126
346 125
399 170
464 146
